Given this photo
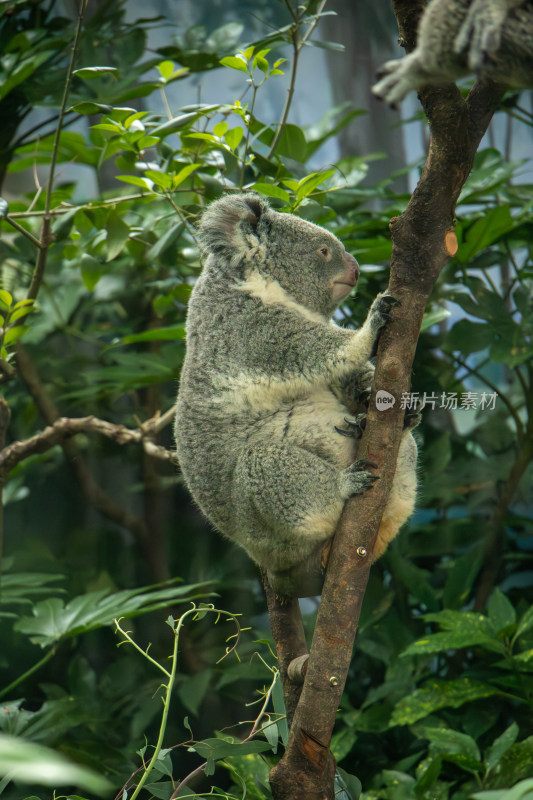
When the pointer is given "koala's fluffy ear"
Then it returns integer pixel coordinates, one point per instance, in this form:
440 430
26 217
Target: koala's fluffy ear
231 227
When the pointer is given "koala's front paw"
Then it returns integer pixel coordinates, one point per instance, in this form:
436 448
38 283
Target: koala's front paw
356 426
356 479
411 420
380 310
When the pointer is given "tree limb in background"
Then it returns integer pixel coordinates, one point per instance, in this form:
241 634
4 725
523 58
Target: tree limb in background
423 240
94 493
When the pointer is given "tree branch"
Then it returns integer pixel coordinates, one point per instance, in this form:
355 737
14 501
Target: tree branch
94 494
65 427
423 239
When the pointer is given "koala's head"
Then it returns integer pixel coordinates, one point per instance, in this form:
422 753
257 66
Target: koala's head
243 234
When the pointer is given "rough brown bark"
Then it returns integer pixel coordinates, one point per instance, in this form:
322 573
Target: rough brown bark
423 240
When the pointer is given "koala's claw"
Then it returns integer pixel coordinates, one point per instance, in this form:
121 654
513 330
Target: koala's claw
386 303
356 479
355 427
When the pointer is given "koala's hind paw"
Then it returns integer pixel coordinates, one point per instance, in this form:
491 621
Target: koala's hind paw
356 479
355 426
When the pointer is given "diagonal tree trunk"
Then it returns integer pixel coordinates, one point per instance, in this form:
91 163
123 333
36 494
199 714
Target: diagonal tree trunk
423 240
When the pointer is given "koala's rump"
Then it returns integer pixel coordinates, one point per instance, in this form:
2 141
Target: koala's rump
211 436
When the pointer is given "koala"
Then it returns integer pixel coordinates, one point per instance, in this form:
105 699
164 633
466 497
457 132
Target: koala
272 392
493 38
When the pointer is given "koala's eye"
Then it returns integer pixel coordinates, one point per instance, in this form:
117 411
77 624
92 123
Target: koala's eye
324 251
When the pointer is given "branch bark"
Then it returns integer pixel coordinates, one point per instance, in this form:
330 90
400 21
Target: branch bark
423 239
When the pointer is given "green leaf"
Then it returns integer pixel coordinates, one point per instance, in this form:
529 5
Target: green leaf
87 108
173 332
448 740
28 762
12 335
234 62
292 143
501 745
192 689
526 623
117 235
214 749
269 190
433 317
183 174
485 231
501 611
89 73
233 137
279 707
91 271
522 791
462 629
134 180
5 298
52 620
166 69
438 694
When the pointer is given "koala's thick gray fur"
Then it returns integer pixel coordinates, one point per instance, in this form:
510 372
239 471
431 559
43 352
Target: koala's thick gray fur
493 38
267 383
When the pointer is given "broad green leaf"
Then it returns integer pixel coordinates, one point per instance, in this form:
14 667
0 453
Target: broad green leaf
501 745
233 137
87 108
28 762
166 68
5 298
89 73
234 62
522 791
173 332
279 707
462 629
485 231
447 740
220 128
269 190
308 184
91 271
215 749
52 620
160 179
117 235
292 143
192 689
133 180
170 236
438 694
12 335
501 612
433 317
176 123
183 174
525 623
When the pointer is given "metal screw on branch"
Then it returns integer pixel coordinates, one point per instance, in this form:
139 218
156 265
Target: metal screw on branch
361 552
334 680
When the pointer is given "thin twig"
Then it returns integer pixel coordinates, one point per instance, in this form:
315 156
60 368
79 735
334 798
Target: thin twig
297 47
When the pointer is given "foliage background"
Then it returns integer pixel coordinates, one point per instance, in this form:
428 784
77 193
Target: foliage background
438 701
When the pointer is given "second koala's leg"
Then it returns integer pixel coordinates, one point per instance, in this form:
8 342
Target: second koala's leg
288 501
